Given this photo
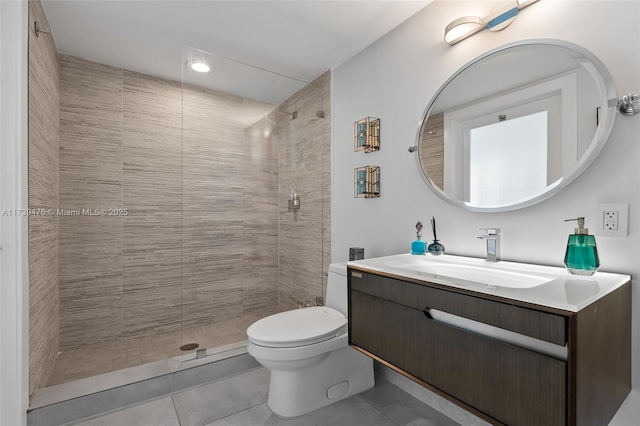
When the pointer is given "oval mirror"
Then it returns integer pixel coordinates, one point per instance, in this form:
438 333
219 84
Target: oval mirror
516 125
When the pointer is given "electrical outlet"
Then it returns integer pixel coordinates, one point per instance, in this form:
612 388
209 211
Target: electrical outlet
611 220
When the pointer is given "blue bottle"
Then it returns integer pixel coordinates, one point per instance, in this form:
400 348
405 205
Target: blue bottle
419 246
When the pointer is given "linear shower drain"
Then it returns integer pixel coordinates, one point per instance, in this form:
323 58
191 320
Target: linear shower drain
189 347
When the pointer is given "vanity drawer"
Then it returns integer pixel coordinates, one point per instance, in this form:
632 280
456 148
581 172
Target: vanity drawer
512 385
529 322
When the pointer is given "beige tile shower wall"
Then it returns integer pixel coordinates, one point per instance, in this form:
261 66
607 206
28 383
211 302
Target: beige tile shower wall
43 194
199 242
305 164
152 240
91 177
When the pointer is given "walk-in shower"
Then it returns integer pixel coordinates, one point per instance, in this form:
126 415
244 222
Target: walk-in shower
203 169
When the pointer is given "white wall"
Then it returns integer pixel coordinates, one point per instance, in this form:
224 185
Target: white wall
14 289
395 78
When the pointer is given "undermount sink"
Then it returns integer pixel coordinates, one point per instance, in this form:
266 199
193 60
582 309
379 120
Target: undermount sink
487 274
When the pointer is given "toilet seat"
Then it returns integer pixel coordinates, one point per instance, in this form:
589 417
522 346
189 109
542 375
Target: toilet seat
298 327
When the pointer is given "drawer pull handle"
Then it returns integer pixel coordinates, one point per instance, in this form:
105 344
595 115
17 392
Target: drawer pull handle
505 336
356 274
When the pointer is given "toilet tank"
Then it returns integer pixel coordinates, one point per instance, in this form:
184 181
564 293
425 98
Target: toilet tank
337 287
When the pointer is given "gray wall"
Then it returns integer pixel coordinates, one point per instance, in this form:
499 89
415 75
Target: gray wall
43 194
395 78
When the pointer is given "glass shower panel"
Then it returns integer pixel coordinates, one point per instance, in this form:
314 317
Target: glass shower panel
204 168
304 169
230 231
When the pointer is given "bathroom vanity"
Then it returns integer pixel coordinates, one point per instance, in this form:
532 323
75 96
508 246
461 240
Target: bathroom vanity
515 344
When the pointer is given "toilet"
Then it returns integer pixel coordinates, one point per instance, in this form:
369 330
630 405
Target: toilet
307 351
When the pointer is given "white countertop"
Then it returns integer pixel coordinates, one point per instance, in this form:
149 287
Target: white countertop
558 289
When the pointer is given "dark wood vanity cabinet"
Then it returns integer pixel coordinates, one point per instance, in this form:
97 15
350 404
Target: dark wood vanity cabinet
501 381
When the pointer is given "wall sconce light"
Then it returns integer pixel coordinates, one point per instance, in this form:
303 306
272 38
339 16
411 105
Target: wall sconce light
366 135
366 182
497 20
294 201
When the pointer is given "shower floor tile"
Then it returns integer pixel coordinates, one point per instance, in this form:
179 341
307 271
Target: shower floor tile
106 357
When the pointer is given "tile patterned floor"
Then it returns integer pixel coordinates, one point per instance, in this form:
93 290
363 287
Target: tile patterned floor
103 358
241 400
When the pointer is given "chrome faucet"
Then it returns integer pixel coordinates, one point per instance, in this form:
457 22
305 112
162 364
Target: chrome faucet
492 235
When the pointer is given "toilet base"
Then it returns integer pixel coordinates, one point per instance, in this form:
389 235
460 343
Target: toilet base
345 372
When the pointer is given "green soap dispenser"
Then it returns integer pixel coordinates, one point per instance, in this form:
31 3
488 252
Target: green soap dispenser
581 257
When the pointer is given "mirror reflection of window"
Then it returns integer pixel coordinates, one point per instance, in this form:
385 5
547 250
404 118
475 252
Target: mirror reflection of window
508 160
519 80
556 97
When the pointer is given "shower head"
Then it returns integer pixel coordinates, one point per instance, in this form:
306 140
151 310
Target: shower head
273 123
293 114
38 30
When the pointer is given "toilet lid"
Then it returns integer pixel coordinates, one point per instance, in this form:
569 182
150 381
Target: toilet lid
298 327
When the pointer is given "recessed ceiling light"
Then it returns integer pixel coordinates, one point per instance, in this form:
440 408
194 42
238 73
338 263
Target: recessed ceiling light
200 67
